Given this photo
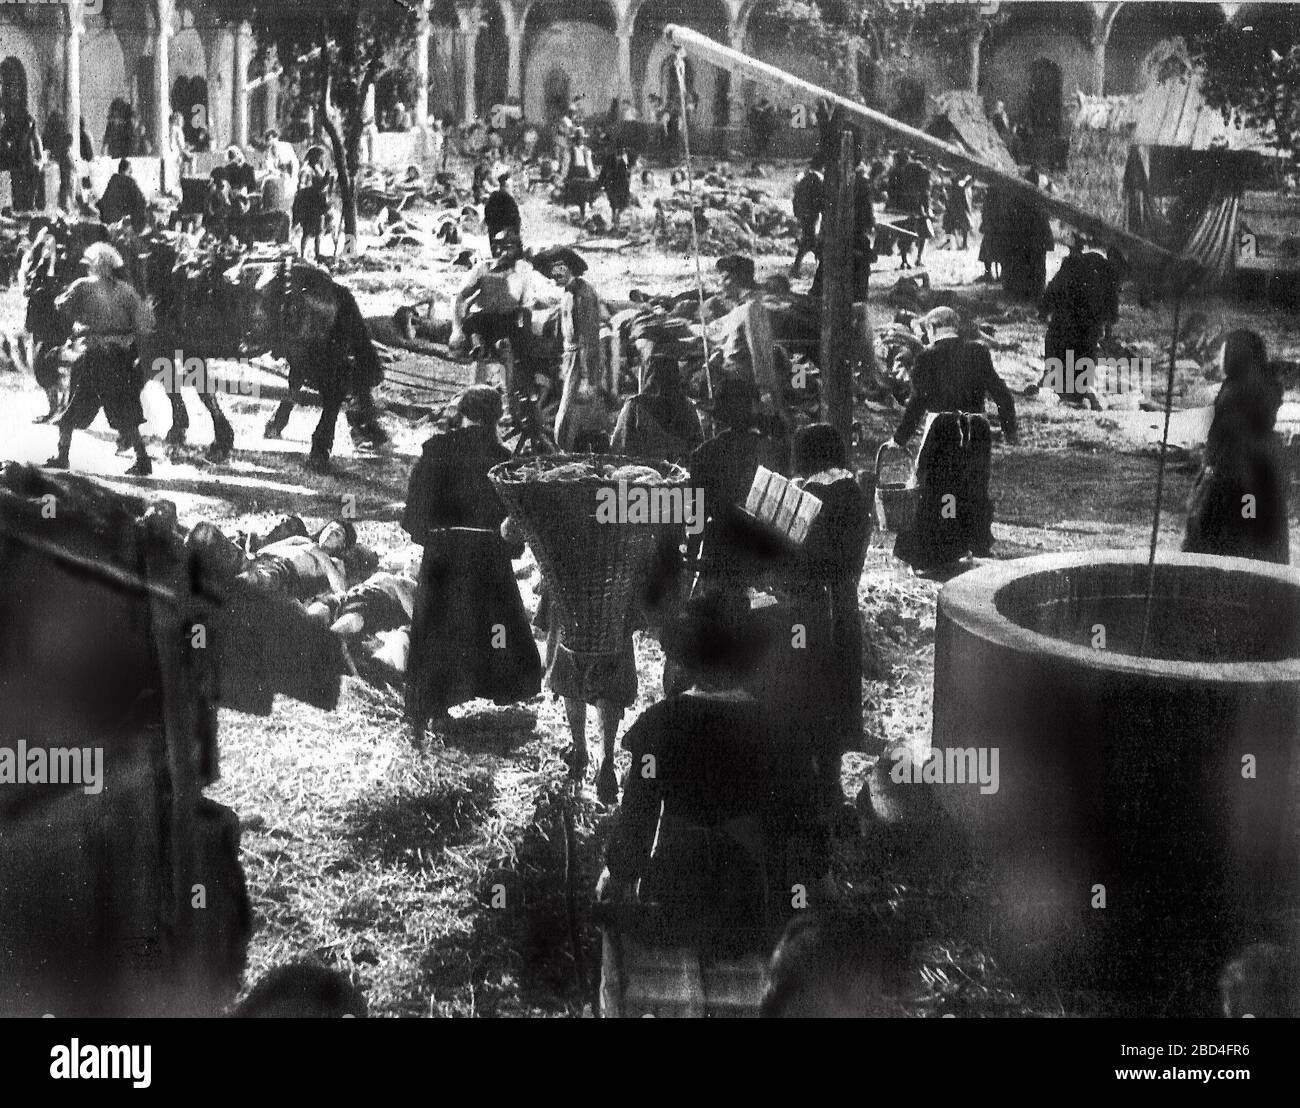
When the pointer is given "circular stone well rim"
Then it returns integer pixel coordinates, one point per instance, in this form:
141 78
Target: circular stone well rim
970 601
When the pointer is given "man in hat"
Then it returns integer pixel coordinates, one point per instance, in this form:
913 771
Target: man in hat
746 331
954 375
582 369
909 192
107 316
494 302
953 378
122 198
500 210
809 203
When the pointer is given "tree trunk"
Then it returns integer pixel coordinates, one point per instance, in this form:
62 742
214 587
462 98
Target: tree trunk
837 339
344 149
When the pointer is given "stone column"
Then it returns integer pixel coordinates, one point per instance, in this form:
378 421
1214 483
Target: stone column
974 40
515 80
271 101
1103 18
736 101
72 76
625 91
420 113
243 54
162 86
471 20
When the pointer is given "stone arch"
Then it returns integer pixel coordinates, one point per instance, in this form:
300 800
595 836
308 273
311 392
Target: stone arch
103 78
1167 58
567 41
1044 108
491 61
1143 35
708 86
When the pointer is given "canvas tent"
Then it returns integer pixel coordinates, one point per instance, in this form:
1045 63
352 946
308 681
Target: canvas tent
1186 171
958 117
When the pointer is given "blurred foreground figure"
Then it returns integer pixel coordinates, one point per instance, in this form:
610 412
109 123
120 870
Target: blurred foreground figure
1263 981
834 965
302 990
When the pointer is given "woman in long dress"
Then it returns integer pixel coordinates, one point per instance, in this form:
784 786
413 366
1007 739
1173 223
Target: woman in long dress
1238 505
470 635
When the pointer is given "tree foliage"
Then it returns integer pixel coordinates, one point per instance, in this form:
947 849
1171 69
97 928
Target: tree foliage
869 42
1253 71
334 51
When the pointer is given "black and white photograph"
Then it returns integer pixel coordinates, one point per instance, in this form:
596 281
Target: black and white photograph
609 509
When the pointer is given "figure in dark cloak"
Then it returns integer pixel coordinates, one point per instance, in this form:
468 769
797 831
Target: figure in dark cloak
616 179
660 421
824 694
953 378
1075 306
1238 506
1028 240
122 199
470 635
733 552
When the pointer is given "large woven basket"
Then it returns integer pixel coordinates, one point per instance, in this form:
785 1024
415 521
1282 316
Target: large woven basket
592 568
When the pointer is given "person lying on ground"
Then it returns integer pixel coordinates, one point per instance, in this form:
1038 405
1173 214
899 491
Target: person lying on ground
305 567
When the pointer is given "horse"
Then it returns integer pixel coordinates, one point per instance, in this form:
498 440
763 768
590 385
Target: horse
283 306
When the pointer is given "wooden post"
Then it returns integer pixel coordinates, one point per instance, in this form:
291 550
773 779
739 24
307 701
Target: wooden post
837 290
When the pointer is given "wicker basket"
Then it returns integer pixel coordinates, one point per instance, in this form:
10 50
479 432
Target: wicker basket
592 568
895 487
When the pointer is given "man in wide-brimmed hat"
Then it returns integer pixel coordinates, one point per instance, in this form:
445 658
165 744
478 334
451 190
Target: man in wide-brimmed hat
582 369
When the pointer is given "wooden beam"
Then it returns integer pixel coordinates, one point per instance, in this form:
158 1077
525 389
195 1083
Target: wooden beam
1142 253
837 336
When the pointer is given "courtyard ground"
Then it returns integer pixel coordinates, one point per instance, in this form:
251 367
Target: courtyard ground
436 879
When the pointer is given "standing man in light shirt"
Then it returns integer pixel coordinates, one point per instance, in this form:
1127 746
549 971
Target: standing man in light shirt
495 301
745 332
582 369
